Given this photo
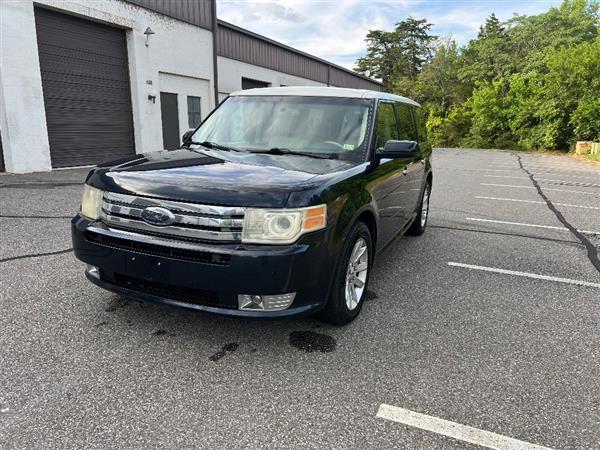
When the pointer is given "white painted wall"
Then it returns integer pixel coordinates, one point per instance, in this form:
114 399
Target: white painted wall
22 114
176 48
231 73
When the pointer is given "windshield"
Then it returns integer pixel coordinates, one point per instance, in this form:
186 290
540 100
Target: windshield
333 127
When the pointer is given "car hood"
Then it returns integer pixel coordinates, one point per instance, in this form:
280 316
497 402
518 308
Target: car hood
215 177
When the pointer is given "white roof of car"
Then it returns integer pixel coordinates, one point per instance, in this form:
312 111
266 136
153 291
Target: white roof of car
319 91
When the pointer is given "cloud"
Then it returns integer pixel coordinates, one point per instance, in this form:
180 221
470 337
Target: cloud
335 30
266 13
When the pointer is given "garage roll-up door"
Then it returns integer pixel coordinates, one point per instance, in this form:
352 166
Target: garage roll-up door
85 81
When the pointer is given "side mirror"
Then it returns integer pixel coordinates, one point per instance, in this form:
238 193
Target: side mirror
187 136
398 149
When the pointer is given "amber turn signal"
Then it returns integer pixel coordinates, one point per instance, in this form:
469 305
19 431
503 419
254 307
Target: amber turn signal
315 218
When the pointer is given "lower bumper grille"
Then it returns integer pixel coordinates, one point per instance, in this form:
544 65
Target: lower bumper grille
181 294
158 250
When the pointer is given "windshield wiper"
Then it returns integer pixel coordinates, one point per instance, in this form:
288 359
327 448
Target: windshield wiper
287 151
214 145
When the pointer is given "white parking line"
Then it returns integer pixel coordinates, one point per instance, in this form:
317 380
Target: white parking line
525 274
549 227
539 169
516 169
545 179
454 430
535 201
583 183
507 176
545 188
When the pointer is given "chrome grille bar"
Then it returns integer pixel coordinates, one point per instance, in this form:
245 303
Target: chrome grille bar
208 210
197 221
192 221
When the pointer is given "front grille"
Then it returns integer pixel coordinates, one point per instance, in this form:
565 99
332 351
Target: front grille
158 250
181 294
191 221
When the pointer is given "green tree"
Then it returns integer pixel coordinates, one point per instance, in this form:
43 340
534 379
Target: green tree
562 105
441 92
488 57
414 41
394 55
384 57
489 109
573 22
531 82
439 81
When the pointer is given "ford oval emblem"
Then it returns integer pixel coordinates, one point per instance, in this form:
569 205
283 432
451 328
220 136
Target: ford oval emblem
158 216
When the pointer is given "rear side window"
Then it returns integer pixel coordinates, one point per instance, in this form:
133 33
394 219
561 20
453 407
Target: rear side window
408 131
421 128
386 128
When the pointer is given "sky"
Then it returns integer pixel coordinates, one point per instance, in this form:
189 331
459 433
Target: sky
335 29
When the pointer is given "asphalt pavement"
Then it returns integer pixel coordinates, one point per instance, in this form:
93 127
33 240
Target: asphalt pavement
490 320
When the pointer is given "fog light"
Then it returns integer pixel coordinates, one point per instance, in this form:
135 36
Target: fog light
266 302
93 271
250 302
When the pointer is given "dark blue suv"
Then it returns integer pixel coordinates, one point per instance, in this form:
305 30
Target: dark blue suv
274 206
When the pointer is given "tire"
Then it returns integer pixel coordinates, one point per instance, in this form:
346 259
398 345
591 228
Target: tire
347 296
418 226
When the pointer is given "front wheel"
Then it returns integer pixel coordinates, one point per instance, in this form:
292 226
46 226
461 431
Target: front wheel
418 226
351 277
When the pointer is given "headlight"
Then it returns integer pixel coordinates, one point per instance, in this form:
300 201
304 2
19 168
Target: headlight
282 226
91 203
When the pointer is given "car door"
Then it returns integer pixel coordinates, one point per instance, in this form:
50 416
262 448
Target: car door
414 168
387 179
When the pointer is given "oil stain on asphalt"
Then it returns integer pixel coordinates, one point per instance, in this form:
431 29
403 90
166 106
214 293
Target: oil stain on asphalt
227 348
309 341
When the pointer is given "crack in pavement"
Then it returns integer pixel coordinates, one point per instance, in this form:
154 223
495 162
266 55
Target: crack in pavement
36 255
40 185
592 252
33 217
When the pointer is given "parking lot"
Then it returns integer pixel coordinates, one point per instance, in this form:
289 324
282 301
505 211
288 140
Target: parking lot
490 320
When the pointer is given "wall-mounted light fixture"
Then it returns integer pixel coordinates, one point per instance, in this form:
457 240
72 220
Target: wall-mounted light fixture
148 32
152 96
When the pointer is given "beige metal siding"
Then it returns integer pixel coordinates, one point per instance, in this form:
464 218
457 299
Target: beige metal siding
242 45
343 78
196 12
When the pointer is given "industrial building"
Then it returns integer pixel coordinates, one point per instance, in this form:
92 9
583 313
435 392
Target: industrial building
83 82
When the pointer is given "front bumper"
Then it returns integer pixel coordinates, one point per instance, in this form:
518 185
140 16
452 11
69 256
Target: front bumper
205 277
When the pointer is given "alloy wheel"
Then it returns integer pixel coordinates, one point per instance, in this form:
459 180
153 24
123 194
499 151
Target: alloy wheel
425 207
356 273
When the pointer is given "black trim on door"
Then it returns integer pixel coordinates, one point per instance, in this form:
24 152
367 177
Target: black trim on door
2 167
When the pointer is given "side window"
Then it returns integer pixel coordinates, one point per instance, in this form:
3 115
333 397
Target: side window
194 113
408 132
386 128
421 128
